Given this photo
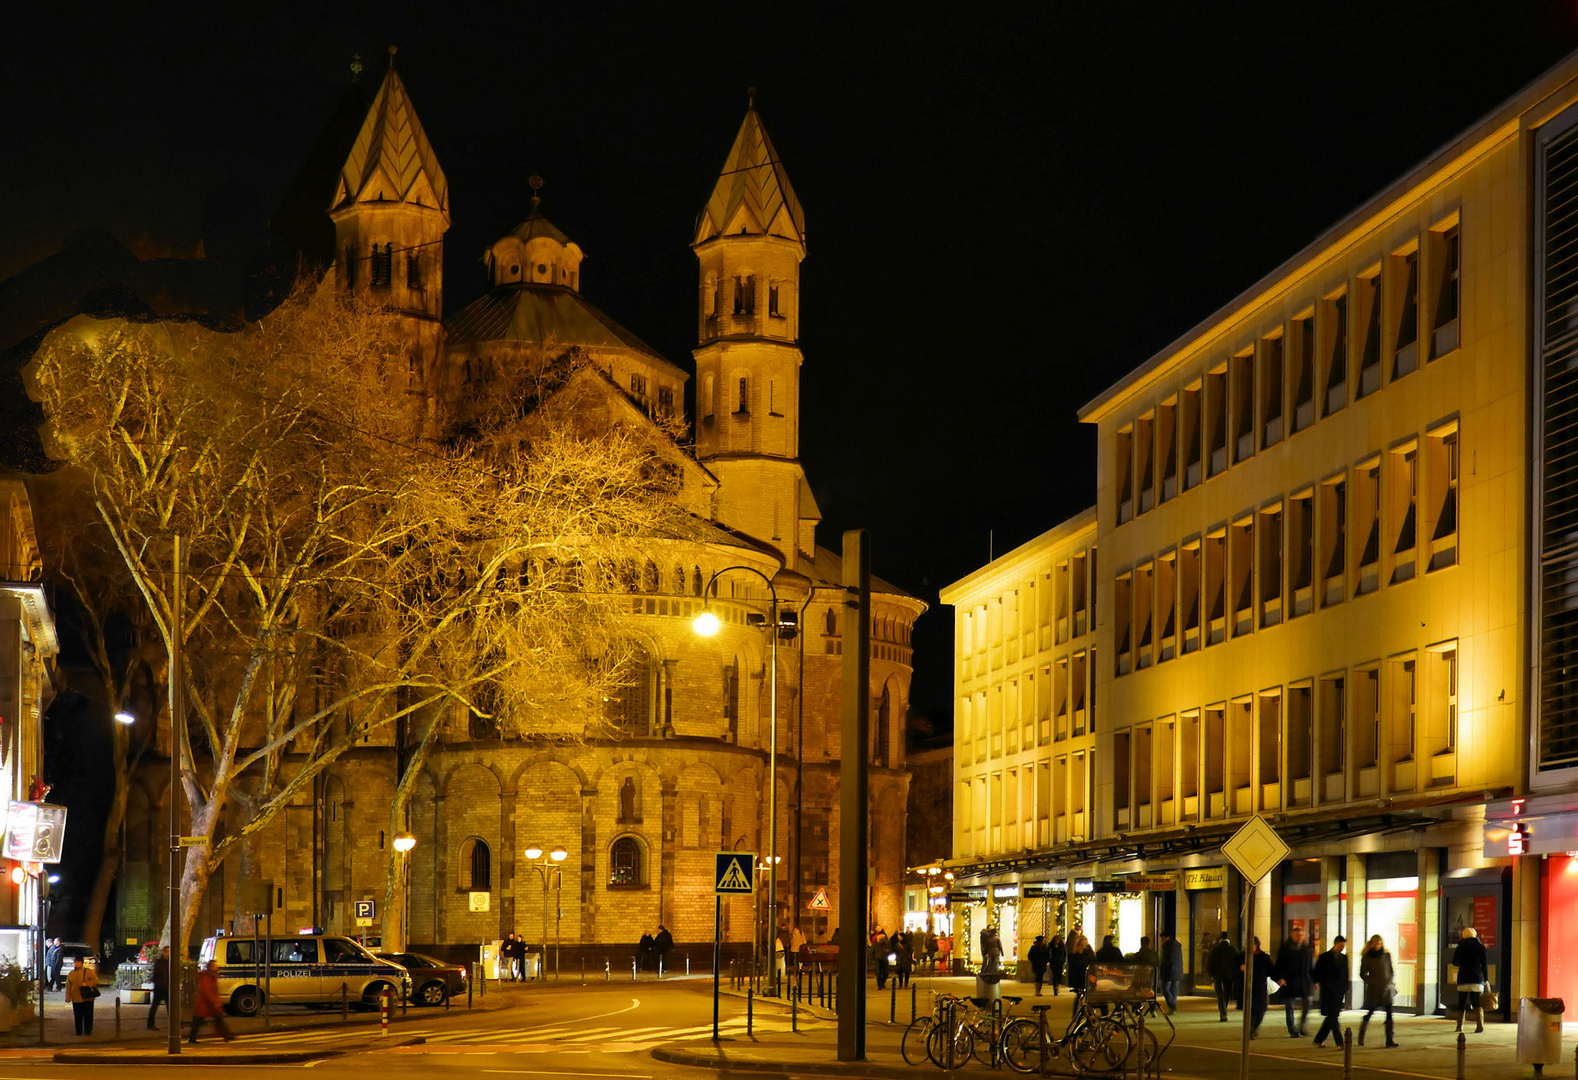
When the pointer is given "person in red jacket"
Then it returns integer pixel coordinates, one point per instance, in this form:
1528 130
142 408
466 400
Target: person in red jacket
208 1006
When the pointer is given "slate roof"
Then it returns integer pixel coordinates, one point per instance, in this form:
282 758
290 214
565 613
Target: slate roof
392 160
540 314
753 177
537 225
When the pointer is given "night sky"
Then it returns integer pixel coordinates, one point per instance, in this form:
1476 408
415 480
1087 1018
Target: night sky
1008 206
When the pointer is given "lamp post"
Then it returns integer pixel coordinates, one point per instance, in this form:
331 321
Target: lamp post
534 859
403 844
706 624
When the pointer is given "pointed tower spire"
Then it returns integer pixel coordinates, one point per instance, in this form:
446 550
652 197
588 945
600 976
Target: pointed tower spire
753 193
391 160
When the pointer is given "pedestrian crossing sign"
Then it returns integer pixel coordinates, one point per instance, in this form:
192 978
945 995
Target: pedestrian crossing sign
819 901
734 872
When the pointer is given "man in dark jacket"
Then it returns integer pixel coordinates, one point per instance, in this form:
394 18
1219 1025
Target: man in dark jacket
1331 976
1171 969
1038 961
1222 966
1257 973
661 944
161 985
1057 956
1292 973
644 951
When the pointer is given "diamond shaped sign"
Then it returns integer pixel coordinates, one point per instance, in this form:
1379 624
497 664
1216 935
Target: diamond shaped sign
1255 849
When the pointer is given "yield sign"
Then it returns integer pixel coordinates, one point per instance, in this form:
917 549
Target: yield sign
819 901
1255 849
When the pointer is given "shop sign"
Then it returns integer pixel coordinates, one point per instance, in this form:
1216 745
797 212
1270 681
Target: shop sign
1152 882
971 895
1034 889
34 832
1542 834
1005 892
1205 877
1088 886
1485 920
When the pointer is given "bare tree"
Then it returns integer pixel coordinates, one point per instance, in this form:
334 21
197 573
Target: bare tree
345 577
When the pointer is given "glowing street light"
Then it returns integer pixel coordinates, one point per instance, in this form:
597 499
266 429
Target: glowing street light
404 843
124 717
706 624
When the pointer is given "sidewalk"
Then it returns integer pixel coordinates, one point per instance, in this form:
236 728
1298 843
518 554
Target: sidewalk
1204 1048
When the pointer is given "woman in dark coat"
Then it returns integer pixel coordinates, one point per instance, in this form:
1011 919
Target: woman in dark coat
1057 955
1471 962
1079 960
1257 974
1378 974
1038 961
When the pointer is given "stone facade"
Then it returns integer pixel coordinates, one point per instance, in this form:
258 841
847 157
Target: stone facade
639 816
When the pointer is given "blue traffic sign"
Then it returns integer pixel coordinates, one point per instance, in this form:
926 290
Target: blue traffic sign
365 908
734 872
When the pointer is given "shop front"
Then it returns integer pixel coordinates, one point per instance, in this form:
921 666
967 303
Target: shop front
971 913
1542 828
1303 901
1005 918
1391 909
1478 899
1206 890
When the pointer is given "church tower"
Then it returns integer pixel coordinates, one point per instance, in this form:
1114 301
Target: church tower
750 238
390 212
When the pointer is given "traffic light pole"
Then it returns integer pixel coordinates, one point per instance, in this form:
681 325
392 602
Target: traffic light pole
177 728
854 749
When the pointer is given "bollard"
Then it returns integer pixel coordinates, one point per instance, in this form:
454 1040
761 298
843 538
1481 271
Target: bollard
660 967
687 964
794 1014
750 997
632 969
383 1013
1139 1049
608 971
118 1016
1462 1057
583 971
893 1000
468 992
448 995
345 1004
912 1003
1347 1054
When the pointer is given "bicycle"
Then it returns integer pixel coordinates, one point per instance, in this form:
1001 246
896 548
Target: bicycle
979 1027
1093 1043
913 1044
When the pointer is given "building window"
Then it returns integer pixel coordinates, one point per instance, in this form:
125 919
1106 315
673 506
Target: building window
413 272
630 704
1079 592
1403 730
1301 554
1405 357
1125 477
1241 565
1272 359
1216 421
1167 606
1367 526
1189 593
1189 435
1368 292
1145 462
745 397
1189 764
350 267
1121 604
1120 779
1213 751
1243 389
625 862
709 399
1336 353
1445 336
1216 588
1331 738
695 581
665 400
382 267
1439 736
1167 448
1144 615
1367 727
476 866
638 385
1240 755
1271 750
1403 501
772 301
1333 553
1300 744
745 295
1271 606
731 701
1441 472
1302 376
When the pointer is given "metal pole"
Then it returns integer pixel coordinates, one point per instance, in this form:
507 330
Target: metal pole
1462 1056
542 957
40 881
772 801
1249 976
854 847
750 998
717 937
1347 1054
893 999
558 915
177 736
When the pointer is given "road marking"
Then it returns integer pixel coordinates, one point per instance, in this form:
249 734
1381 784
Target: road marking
577 1072
1327 1064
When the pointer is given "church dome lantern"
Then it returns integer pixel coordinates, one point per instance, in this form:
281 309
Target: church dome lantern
536 252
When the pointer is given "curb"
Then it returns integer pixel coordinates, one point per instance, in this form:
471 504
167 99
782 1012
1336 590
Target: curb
815 1012
238 1057
674 1056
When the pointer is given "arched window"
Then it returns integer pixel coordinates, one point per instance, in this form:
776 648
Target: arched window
631 705
649 582
624 862
476 866
695 581
832 622
884 718
679 580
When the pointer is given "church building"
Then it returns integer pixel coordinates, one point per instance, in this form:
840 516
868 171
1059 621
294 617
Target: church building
639 814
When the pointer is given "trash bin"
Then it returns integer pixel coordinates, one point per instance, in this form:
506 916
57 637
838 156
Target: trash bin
1540 1031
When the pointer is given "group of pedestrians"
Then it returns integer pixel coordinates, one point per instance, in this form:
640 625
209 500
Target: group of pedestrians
653 949
895 956
512 959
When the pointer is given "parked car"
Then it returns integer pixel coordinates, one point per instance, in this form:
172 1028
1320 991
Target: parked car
303 969
70 950
432 980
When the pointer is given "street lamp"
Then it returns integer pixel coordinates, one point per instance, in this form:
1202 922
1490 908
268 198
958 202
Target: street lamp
707 625
403 844
534 857
124 717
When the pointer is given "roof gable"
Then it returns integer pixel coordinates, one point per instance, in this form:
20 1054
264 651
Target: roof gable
392 160
753 180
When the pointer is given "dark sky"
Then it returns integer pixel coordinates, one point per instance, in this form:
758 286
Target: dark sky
1008 206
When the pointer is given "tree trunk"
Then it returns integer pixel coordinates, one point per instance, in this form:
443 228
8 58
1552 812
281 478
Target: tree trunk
110 860
396 874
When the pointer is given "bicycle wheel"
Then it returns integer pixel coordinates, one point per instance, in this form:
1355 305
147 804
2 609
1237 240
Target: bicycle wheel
1101 1045
1151 1046
937 1045
913 1045
1021 1045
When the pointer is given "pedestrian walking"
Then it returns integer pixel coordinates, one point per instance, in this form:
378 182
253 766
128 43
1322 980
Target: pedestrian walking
780 948
1057 956
1171 969
644 951
1079 961
1472 967
1257 979
904 961
1378 974
1292 974
796 943
1331 979
1145 955
662 942
161 986
53 965
1109 953
82 990
1222 965
1038 961
879 949
931 950
991 975
206 1005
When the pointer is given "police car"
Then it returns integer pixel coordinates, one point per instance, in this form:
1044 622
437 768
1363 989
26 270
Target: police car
307 968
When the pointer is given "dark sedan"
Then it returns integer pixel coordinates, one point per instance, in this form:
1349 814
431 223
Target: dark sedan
432 981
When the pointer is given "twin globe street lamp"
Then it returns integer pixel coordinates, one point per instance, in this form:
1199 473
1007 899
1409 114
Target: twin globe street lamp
534 859
707 624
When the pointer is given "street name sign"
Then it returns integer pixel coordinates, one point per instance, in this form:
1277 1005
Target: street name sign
733 873
1255 849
